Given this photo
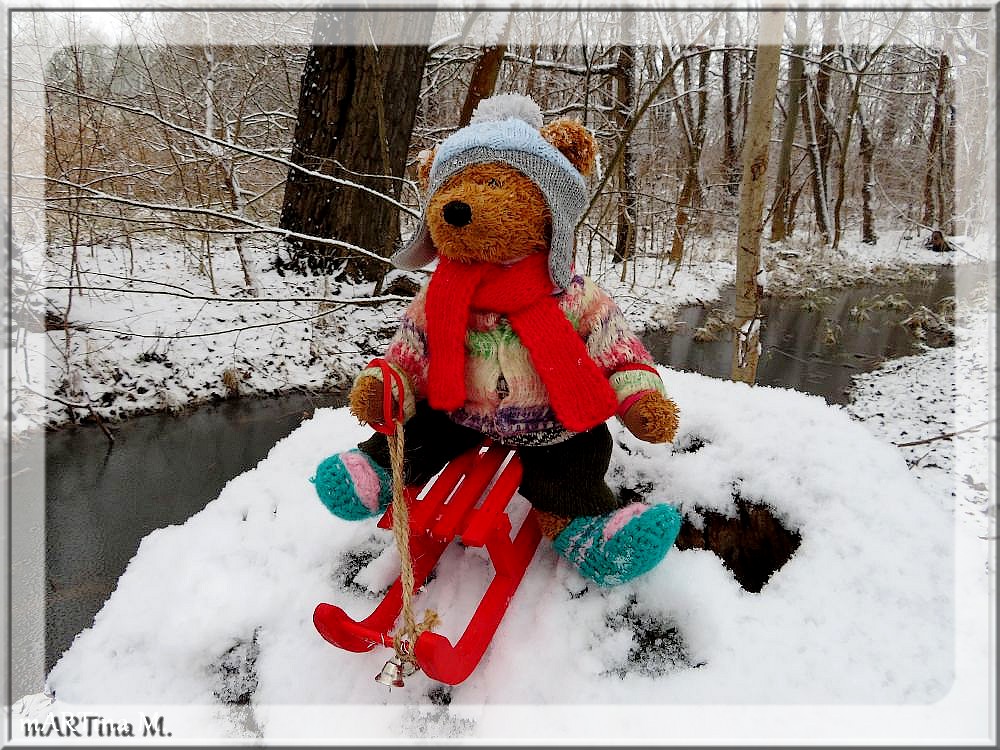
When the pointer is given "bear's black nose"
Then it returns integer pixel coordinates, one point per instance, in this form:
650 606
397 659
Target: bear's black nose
457 214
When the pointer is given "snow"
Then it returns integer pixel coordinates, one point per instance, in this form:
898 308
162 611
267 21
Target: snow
166 340
132 352
863 613
875 628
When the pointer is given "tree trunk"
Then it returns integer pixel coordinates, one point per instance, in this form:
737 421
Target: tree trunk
730 157
783 188
867 152
933 211
946 181
484 76
817 181
821 106
624 111
845 145
753 184
356 111
694 129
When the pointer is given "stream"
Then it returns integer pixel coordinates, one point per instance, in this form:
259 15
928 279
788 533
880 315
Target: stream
812 345
101 500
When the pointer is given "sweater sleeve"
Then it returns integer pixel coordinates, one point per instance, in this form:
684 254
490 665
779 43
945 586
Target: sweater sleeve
407 354
611 343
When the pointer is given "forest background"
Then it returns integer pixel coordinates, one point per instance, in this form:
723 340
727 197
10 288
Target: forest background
284 144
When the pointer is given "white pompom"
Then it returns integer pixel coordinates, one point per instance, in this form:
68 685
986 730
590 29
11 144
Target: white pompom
508 107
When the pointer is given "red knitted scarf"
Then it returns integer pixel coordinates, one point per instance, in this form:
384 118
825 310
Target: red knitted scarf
579 394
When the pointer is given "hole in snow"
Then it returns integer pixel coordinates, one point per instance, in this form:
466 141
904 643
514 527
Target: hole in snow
753 543
236 672
658 648
440 695
355 560
689 444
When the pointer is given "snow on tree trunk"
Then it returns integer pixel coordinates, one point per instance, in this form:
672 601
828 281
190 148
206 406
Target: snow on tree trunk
816 177
753 183
730 158
867 150
933 215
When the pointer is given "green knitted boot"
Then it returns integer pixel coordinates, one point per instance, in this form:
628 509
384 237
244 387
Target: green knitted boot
620 545
352 486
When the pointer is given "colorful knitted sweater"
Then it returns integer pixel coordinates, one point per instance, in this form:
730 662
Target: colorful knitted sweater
505 397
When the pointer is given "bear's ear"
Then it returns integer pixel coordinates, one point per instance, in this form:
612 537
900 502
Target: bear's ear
424 160
574 141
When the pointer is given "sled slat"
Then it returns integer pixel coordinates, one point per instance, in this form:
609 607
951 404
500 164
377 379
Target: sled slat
490 513
468 493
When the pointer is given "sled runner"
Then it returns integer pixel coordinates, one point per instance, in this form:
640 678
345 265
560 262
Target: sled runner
468 502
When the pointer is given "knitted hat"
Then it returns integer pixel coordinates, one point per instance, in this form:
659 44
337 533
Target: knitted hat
505 129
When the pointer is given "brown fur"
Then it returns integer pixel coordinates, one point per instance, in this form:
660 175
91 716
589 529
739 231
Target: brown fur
510 218
366 399
653 418
574 141
550 524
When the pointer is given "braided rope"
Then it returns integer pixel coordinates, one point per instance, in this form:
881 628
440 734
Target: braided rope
410 630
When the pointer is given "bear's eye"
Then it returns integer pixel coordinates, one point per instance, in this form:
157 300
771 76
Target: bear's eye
493 182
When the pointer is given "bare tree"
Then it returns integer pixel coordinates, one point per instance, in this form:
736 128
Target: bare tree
781 211
356 111
484 74
866 149
753 184
938 161
624 80
858 61
730 148
692 113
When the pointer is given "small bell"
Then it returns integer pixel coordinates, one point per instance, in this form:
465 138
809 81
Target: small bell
394 671
391 674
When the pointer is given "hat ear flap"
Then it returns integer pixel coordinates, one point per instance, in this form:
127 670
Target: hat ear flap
424 161
574 141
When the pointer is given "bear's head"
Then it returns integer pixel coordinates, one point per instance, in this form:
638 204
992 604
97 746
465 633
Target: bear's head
503 188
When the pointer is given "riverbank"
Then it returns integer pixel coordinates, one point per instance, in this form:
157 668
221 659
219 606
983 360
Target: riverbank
154 332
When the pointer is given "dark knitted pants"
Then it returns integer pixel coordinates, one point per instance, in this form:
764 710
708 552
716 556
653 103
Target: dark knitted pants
566 479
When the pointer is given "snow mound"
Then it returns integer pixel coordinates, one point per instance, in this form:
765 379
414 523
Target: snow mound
213 617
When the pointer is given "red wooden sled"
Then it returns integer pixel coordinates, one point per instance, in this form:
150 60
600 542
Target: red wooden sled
468 501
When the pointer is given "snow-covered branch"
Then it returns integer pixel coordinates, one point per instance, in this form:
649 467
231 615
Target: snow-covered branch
261 227
203 136
183 294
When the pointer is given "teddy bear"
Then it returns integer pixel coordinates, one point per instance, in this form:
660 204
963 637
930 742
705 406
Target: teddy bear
506 341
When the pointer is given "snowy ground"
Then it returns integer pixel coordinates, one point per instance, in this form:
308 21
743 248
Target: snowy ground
876 628
167 340
863 613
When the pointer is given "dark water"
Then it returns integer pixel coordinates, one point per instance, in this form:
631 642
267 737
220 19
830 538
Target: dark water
815 346
100 501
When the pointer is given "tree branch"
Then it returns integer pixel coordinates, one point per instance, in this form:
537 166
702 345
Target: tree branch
236 147
363 301
264 228
90 407
945 436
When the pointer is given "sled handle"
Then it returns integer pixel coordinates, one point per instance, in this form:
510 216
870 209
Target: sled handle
390 379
